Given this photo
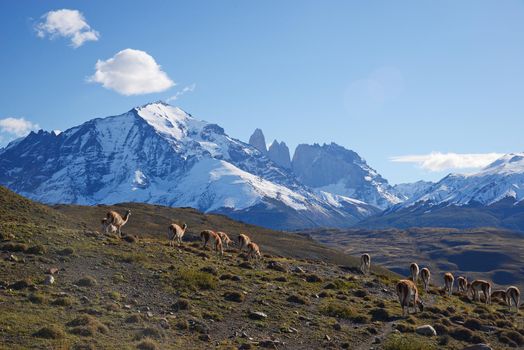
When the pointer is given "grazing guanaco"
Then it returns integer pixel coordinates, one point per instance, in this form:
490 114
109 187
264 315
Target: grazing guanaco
499 294
253 251
513 297
365 263
413 268
462 284
207 235
175 233
407 291
476 287
243 241
448 282
426 276
115 219
225 239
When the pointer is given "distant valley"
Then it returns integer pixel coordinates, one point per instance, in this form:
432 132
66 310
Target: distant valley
494 254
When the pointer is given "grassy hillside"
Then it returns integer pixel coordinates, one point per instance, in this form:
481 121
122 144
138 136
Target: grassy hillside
493 254
140 293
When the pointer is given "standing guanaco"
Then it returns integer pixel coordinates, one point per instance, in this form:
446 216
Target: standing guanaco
426 276
175 233
407 291
365 263
448 282
413 268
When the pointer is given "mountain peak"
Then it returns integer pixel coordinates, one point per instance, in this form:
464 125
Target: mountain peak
279 153
167 120
258 141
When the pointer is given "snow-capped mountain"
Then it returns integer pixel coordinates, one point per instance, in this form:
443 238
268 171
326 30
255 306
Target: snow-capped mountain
335 169
160 154
412 189
504 178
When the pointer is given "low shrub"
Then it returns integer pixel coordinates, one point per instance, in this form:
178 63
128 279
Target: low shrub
37 250
195 280
87 281
406 342
234 296
49 332
379 314
297 299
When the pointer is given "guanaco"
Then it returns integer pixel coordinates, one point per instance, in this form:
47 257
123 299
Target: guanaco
407 291
115 219
475 287
175 233
413 268
513 297
225 239
243 241
426 276
253 251
462 284
365 263
448 282
207 235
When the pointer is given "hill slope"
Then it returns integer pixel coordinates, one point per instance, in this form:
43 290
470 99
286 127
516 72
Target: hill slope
142 294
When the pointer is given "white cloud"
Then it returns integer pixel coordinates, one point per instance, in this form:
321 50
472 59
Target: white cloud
17 126
437 161
176 96
66 23
131 72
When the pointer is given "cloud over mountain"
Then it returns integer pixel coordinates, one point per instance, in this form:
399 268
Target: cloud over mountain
437 161
66 23
131 72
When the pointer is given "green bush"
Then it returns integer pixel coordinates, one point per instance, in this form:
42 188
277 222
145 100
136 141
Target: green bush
339 310
195 280
406 342
49 332
87 281
37 250
66 251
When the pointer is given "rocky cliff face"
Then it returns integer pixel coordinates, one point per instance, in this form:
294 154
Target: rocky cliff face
258 141
332 168
279 153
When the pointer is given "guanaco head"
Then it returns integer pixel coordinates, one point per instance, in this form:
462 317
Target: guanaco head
184 226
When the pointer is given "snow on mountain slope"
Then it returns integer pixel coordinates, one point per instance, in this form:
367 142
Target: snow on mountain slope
160 154
502 179
335 169
412 190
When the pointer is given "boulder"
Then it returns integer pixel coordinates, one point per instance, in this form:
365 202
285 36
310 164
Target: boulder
426 330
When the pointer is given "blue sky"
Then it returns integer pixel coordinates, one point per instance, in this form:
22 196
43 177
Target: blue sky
383 78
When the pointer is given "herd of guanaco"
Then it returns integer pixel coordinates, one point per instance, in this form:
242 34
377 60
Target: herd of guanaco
113 223
406 289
